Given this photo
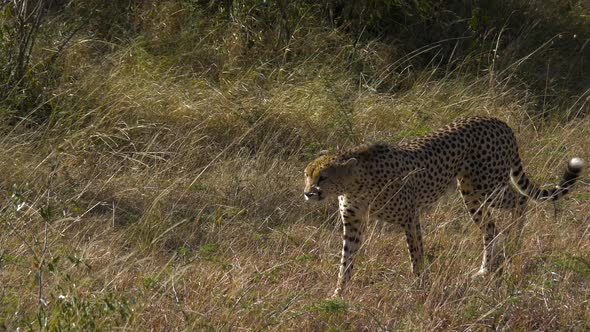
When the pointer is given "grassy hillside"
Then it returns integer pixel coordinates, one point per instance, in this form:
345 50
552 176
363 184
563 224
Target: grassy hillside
152 152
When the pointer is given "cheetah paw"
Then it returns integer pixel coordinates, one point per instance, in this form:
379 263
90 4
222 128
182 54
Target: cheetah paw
482 272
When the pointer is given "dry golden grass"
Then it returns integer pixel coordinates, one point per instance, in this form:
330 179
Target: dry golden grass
161 200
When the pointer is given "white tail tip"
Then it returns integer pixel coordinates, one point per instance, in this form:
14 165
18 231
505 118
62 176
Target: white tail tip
577 163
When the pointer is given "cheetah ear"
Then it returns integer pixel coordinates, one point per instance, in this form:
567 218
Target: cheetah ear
349 163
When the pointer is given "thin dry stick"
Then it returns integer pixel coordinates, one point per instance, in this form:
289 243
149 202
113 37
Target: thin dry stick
174 287
45 215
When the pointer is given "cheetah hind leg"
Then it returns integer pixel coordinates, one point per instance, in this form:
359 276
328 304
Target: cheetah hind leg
516 203
518 216
491 261
479 214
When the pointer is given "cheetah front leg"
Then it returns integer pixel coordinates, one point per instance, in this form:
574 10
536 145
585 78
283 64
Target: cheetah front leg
351 240
415 245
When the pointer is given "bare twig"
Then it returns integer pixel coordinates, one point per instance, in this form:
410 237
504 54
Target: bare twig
46 216
174 287
3 3
68 38
40 300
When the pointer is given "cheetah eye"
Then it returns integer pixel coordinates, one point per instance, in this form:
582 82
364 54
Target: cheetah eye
322 178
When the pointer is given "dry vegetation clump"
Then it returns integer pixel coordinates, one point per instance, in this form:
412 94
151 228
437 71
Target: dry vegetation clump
157 182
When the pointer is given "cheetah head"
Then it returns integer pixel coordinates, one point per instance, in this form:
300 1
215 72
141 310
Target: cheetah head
327 176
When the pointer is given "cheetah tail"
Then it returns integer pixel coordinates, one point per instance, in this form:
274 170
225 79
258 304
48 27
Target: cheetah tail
525 187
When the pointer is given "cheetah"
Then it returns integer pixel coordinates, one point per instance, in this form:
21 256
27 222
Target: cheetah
397 183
